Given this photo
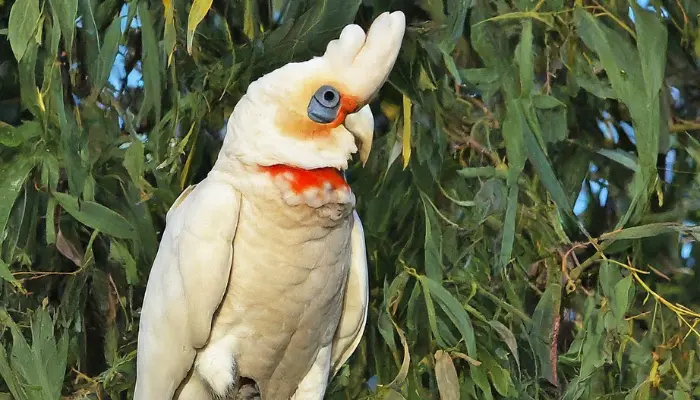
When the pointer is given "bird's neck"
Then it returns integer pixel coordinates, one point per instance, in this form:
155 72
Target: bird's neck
314 187
293 186
301 180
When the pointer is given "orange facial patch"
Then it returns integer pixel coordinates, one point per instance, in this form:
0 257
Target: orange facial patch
296 123
302 179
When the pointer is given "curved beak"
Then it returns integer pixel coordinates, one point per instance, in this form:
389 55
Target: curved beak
361 125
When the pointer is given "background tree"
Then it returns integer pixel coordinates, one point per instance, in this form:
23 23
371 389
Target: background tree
530 203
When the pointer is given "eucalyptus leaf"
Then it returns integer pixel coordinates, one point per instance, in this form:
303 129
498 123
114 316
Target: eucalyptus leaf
108 52
12 178
96 216
24 19
151 65
199 10
538 239
66 11
446 376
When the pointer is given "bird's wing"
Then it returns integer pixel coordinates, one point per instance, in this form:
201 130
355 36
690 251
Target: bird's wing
354 316
186 285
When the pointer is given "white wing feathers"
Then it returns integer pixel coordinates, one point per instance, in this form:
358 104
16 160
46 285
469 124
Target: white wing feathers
354 315
186 285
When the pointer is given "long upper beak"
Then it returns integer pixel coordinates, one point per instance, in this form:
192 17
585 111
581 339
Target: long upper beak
361 125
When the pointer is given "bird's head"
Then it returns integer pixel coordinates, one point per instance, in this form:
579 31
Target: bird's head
314 114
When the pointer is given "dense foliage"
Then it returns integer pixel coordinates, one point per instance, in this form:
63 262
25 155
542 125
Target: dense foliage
530 203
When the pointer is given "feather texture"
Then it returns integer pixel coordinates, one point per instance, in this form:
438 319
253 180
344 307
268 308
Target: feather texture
261 273
176 315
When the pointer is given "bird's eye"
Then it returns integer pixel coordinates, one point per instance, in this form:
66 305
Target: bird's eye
327 96
324 105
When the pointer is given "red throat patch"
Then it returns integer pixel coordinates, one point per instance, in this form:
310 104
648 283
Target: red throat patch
302 179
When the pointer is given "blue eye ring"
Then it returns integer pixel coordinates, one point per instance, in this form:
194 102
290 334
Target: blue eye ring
324 105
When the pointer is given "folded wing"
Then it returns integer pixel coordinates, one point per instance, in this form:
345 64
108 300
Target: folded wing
186 285
354 317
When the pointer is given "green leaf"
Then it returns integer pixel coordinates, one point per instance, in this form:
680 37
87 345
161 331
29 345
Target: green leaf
451 67
119 253
508 338
386 329
499 376
53 38
433 241
585 77
72 146
389 394
489 41
478 375
477 172
651 44
609 276
405 363
432 318
487 81
652 38
6 274
50 171
91 35
525 57
454 26
544 170
9 136
51 221
12 178
618 57
66 11
680 395
24 17
643 231
302 37
12 379
39 368
513 128
169 35
134 161
29 93
621 300
454 310
543 319
108 53
621 157
553 123
636 76
546 102
199 10
96 216
111 345
151 65
251 27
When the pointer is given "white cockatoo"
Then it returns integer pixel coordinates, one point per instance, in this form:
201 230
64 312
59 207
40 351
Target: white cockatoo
262 270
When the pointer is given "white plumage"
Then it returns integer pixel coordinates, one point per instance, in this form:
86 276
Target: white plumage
262 271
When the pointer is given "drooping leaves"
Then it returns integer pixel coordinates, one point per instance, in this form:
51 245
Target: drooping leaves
23 23
66 11
536 240
96 216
